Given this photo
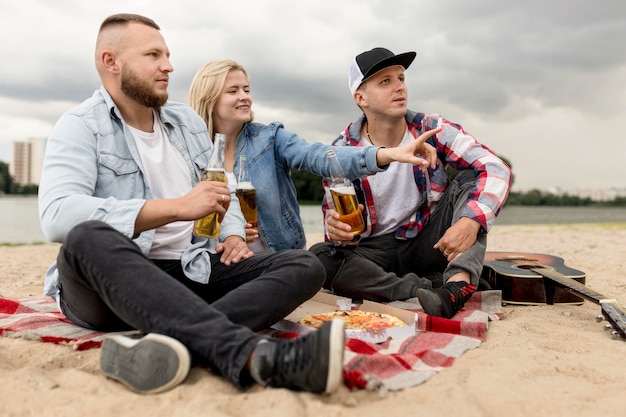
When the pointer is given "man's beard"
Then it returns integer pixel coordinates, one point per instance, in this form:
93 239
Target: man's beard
140 91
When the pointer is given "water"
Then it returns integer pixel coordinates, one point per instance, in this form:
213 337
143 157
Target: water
312 219
19 219
312 216
560 215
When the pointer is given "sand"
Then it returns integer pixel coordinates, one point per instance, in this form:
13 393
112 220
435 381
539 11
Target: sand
537 361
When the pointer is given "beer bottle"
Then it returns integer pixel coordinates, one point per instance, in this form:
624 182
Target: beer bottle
209 226
246 193
343 194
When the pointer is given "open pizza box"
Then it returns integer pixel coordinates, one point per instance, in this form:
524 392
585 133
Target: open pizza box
324 303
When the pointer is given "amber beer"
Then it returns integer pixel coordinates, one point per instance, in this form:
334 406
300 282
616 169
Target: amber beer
246 194
209 226
347 206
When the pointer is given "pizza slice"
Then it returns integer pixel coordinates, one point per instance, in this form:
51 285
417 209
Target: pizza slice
355 320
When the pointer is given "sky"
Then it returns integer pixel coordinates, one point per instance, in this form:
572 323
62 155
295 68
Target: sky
541 83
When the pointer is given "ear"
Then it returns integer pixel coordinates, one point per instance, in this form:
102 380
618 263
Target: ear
360 99
109 61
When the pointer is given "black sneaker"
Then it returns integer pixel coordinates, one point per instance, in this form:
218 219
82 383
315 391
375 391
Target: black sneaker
146 364
446 300
313 362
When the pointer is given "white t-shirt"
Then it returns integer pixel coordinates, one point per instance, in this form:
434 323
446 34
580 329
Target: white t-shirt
394 192
168 177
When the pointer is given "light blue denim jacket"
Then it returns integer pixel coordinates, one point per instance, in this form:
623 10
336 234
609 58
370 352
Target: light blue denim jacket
92 171
271 152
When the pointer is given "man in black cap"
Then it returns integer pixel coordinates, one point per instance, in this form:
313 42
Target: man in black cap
425 235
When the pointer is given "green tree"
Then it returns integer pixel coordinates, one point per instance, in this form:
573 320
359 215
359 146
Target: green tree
532 198
308 186
6 181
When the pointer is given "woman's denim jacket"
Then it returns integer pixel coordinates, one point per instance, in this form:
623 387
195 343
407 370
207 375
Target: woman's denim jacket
92 171
271 152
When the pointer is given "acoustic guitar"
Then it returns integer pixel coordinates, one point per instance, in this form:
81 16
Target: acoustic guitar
534 279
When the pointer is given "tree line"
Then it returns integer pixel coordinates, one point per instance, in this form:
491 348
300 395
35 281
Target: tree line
310 191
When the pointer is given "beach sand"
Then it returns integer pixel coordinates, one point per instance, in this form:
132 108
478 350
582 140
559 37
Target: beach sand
549 360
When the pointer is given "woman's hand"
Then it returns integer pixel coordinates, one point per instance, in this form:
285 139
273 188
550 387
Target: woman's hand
251 233
233 250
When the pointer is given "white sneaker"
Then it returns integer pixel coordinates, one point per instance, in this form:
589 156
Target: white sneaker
147 364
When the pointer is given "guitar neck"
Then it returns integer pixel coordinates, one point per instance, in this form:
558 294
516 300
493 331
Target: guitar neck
615 315
570 284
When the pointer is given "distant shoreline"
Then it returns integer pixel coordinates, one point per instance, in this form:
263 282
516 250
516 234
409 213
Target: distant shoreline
312 238
19 222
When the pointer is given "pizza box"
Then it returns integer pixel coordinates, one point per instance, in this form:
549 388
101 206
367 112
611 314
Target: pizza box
324 302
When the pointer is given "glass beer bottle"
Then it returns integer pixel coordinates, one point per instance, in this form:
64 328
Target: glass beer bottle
343 195
209 226
246 193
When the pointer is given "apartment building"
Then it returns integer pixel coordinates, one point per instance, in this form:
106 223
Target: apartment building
27 161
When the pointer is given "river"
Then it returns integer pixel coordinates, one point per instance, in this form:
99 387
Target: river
19 220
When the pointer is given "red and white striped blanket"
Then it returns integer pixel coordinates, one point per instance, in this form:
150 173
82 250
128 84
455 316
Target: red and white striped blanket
40 319
387 366
438 342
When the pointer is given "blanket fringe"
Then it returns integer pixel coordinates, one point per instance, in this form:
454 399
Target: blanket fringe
355 379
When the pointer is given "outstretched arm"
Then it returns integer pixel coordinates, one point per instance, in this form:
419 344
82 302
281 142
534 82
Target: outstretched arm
407 153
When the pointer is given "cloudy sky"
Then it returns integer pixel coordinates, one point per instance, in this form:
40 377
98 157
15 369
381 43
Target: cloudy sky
541 83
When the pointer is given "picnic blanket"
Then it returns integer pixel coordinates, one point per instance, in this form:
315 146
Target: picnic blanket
389 366
400 364
40 319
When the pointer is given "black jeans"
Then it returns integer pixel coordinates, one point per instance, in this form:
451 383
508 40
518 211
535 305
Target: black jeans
108 284
384 268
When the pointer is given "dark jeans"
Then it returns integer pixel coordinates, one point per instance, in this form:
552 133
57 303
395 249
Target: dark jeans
108 284
384 268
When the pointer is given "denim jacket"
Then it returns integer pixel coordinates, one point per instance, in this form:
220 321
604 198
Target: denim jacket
92 171
271 152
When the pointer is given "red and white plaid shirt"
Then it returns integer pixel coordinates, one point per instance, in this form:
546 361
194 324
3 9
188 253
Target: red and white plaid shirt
455 148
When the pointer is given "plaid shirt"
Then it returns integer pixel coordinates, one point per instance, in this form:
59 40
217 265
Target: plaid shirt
455 148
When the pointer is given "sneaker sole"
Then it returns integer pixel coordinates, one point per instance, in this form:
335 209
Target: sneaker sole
149 365
336 350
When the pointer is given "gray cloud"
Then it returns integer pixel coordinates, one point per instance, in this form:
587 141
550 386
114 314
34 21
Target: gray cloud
496 67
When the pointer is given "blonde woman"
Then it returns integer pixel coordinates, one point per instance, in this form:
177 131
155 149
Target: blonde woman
220 94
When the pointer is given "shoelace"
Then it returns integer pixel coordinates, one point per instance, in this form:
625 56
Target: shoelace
292 358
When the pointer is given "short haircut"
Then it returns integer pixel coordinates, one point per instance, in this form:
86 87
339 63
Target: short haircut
126 18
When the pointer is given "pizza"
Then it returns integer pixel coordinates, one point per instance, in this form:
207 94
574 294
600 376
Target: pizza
355 320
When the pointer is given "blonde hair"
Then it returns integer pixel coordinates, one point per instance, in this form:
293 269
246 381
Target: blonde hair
207 85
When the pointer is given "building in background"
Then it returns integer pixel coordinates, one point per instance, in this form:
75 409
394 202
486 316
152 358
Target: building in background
27 162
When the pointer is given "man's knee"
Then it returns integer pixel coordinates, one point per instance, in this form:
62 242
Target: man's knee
465 176
315 270
82 235
331 259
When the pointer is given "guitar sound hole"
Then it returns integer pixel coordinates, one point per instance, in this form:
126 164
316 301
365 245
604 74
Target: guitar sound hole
530 267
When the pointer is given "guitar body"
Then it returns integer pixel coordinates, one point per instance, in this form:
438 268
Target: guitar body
534 278
513 274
